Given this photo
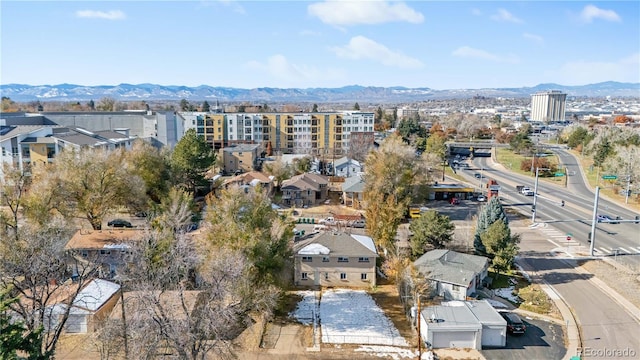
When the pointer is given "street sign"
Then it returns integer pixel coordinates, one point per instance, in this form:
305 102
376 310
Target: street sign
609 177
558 174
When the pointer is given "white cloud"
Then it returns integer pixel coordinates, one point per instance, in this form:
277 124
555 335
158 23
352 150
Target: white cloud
347 13
469 52
282 70
360 47
581 72
535 38
591 12
233 5
108 15
504 15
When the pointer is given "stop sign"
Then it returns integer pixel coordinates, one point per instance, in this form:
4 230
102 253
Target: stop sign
568 238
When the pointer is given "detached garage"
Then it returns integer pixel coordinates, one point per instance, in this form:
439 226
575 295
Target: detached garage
463 324
450 327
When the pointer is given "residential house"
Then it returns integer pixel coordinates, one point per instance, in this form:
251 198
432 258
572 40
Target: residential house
305 190
335 259
252 178
353 192
346 167
463 324
91 306
453 275
78 138
240 157
106 248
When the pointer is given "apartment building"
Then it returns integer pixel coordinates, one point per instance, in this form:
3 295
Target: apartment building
548 106
288 133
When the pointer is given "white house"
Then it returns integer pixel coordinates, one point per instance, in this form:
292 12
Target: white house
346 167
453 275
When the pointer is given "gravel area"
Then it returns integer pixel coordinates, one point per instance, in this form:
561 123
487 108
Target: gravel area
625 283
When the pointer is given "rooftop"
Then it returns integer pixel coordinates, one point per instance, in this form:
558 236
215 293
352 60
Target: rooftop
337 244
450 266
103 239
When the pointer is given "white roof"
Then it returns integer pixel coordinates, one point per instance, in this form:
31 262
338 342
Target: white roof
314 249
94 295
366 241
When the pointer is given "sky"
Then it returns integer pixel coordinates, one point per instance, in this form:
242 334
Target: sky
309 44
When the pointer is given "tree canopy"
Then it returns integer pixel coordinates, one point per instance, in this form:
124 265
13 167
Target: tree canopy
430 230
191 159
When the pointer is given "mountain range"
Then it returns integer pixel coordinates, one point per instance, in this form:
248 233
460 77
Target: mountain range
147 92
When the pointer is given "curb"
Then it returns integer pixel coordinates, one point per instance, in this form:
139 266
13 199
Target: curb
573 332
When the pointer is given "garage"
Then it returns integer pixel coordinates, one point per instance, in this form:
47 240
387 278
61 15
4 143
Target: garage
77 321
454 339
494 327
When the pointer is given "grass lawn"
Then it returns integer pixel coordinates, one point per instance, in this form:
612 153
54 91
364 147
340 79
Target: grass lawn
512 161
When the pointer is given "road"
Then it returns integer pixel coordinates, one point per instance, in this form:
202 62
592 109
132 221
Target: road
575 218
605 325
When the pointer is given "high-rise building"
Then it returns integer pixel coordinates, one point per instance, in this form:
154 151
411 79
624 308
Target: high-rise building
548 106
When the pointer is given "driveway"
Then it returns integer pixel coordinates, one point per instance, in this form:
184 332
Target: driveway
542 340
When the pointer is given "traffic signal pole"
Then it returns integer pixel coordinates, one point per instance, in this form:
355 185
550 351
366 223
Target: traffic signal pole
594 221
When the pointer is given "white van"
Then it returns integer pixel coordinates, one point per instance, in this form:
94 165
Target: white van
320 227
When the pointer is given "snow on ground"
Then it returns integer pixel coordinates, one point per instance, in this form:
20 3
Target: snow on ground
507 293
304 312
393 352
496 304
352 316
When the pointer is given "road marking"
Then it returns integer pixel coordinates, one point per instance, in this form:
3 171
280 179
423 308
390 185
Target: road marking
603 250
625 250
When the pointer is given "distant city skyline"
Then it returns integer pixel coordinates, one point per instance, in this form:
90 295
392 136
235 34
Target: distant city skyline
328 44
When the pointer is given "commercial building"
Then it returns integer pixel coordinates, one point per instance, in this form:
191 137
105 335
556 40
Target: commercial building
548 106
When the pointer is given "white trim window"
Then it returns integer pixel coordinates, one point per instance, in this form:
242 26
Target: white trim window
304 276
343 276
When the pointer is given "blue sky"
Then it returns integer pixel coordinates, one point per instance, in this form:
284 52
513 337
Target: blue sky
306 44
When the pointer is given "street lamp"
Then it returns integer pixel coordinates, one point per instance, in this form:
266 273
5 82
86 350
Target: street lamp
535 195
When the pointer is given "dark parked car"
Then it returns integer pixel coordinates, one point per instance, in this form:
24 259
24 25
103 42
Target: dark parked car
119 223
515 325
477 175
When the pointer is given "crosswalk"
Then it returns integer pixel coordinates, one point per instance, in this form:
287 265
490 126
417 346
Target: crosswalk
560 239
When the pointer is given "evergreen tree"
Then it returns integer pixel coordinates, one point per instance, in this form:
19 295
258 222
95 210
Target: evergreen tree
500 245
489 214
315 108
15 337
205 106
356 107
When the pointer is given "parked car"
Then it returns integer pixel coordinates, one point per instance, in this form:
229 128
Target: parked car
481 198
515 325
454 201
119 223
477 175
359 224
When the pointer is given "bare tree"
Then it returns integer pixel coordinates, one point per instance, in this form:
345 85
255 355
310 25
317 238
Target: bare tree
36 268
13 187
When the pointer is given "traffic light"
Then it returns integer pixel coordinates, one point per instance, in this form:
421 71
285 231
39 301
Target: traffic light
637 219
533 208
562 203
628 192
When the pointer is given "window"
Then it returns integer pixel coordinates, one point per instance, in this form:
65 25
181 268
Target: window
363 276
307 259
456 288
105 252
304 276
363 259
325 259
343 259
85 253
343 276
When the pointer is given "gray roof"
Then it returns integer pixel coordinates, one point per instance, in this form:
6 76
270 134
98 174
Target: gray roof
353 184
450 317
343 161
13 131
486 313
462 315
341 244
241 148
450 266
305 181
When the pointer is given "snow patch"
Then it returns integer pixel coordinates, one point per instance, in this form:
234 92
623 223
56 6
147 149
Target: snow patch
314 249
496 304
305 310
507 293
395 353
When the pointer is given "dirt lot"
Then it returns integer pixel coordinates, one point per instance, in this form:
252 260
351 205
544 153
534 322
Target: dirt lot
625 283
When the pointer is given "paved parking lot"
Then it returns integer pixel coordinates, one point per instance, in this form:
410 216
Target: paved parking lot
542 341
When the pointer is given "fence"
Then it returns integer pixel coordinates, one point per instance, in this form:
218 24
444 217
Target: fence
364 339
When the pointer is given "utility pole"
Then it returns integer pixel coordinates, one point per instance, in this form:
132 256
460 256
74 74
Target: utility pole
419 333
594 221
